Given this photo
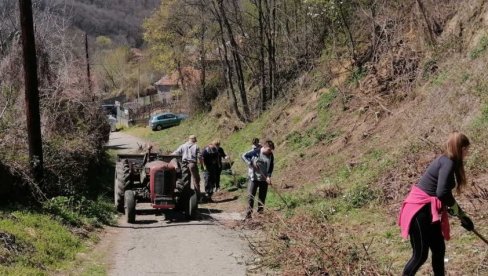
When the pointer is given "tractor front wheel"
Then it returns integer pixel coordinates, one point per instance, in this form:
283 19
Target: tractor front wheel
130 206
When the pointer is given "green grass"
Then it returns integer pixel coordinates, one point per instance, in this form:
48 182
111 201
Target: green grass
48 245
324 107
312 136
480 48
94 270
44 238
357 74
80 211
440 78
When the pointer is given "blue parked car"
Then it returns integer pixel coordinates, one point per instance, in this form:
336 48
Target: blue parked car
165 120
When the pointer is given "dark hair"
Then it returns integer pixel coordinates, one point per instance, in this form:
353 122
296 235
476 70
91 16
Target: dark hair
255 141
454 150
269 144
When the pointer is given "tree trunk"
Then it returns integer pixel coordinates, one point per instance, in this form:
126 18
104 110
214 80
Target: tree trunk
270 25
273 53
228 67
424 15
31 92
87 58
262 73
237 61
348 32
287 26
203 61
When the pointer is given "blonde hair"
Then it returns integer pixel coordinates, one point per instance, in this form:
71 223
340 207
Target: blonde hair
216 142
454 150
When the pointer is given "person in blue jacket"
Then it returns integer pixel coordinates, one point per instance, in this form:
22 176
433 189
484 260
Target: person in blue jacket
260 162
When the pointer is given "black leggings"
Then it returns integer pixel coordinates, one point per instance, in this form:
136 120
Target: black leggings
424 235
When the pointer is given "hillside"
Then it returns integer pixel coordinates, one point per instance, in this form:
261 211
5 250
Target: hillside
352 140
120 20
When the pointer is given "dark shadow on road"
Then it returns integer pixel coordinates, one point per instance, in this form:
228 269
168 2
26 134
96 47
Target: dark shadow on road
170 217
206 214
146 221
117 147
226 199
145 212
209 211
161 226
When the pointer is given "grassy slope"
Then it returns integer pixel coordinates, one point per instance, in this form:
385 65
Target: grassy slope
43 245
351 169
58 238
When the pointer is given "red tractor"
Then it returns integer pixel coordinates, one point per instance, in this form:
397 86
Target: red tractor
162 180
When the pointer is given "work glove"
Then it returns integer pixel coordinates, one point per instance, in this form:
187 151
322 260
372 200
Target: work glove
455 210
466 223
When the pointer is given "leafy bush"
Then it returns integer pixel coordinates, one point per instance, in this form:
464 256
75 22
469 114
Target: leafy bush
357 75
359 195
79 211
327 98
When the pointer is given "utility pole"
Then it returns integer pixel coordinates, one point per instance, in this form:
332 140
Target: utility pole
31 91
87 64
138 80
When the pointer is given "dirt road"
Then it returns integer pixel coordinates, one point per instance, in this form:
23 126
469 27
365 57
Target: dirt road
166 244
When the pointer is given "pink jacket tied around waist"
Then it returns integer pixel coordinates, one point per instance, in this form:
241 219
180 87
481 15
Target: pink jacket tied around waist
417 199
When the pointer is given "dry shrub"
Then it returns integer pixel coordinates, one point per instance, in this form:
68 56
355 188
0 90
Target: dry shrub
392 38
74 128
303 245
329 191
10 248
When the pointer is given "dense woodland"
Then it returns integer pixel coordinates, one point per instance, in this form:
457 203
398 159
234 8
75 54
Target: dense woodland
74 129
262 45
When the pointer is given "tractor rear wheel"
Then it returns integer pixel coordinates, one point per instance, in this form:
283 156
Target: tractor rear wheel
121 183
192 206
130 206
118 196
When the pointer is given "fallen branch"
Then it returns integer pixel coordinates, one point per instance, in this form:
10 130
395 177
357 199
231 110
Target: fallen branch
434 145
4 109
382 106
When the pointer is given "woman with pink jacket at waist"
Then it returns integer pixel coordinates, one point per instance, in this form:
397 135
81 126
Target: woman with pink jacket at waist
424 212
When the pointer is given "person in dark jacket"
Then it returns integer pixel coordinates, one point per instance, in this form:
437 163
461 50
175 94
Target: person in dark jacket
255 143
211 162
261 163
424 212
222 155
